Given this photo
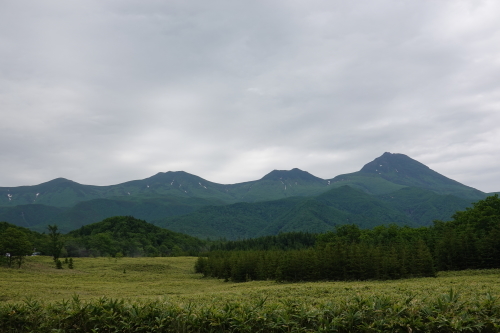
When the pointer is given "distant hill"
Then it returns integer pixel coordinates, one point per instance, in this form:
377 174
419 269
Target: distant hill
130 237
124 235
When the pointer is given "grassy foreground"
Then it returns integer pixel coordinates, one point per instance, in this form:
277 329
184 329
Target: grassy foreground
164 295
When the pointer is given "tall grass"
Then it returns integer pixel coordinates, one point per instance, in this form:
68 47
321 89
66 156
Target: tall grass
444 313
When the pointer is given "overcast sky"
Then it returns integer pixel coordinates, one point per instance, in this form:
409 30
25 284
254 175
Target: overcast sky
106 91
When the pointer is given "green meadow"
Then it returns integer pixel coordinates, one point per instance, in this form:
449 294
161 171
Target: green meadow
135 294
173 279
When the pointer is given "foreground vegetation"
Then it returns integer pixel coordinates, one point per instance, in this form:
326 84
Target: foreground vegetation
165 295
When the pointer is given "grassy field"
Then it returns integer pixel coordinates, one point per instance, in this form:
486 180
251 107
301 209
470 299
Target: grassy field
167 290
173 278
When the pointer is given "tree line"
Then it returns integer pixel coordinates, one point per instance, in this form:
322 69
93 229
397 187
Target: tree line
470 241
339 260
16 243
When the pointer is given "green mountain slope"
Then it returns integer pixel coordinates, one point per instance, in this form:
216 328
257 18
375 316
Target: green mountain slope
149 209
66 193
368 183
344 205
323 212
37 217
424 206
29 216
279 184
59 192
239 220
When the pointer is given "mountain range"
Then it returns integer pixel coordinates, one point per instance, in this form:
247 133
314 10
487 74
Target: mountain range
393 188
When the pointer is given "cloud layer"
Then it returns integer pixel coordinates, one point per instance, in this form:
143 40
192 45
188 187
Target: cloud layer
107 91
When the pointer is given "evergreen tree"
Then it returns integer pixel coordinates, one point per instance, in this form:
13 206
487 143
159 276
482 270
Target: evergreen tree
56 242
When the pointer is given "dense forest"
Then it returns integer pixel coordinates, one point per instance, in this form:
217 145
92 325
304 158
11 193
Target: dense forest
470 241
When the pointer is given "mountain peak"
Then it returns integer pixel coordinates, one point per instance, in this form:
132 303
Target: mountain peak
403 170
59 181
294 174
395 163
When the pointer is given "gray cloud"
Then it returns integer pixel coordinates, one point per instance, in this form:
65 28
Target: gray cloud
106 91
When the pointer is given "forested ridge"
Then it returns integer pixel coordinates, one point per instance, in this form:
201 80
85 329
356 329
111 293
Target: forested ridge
470 241
128 236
